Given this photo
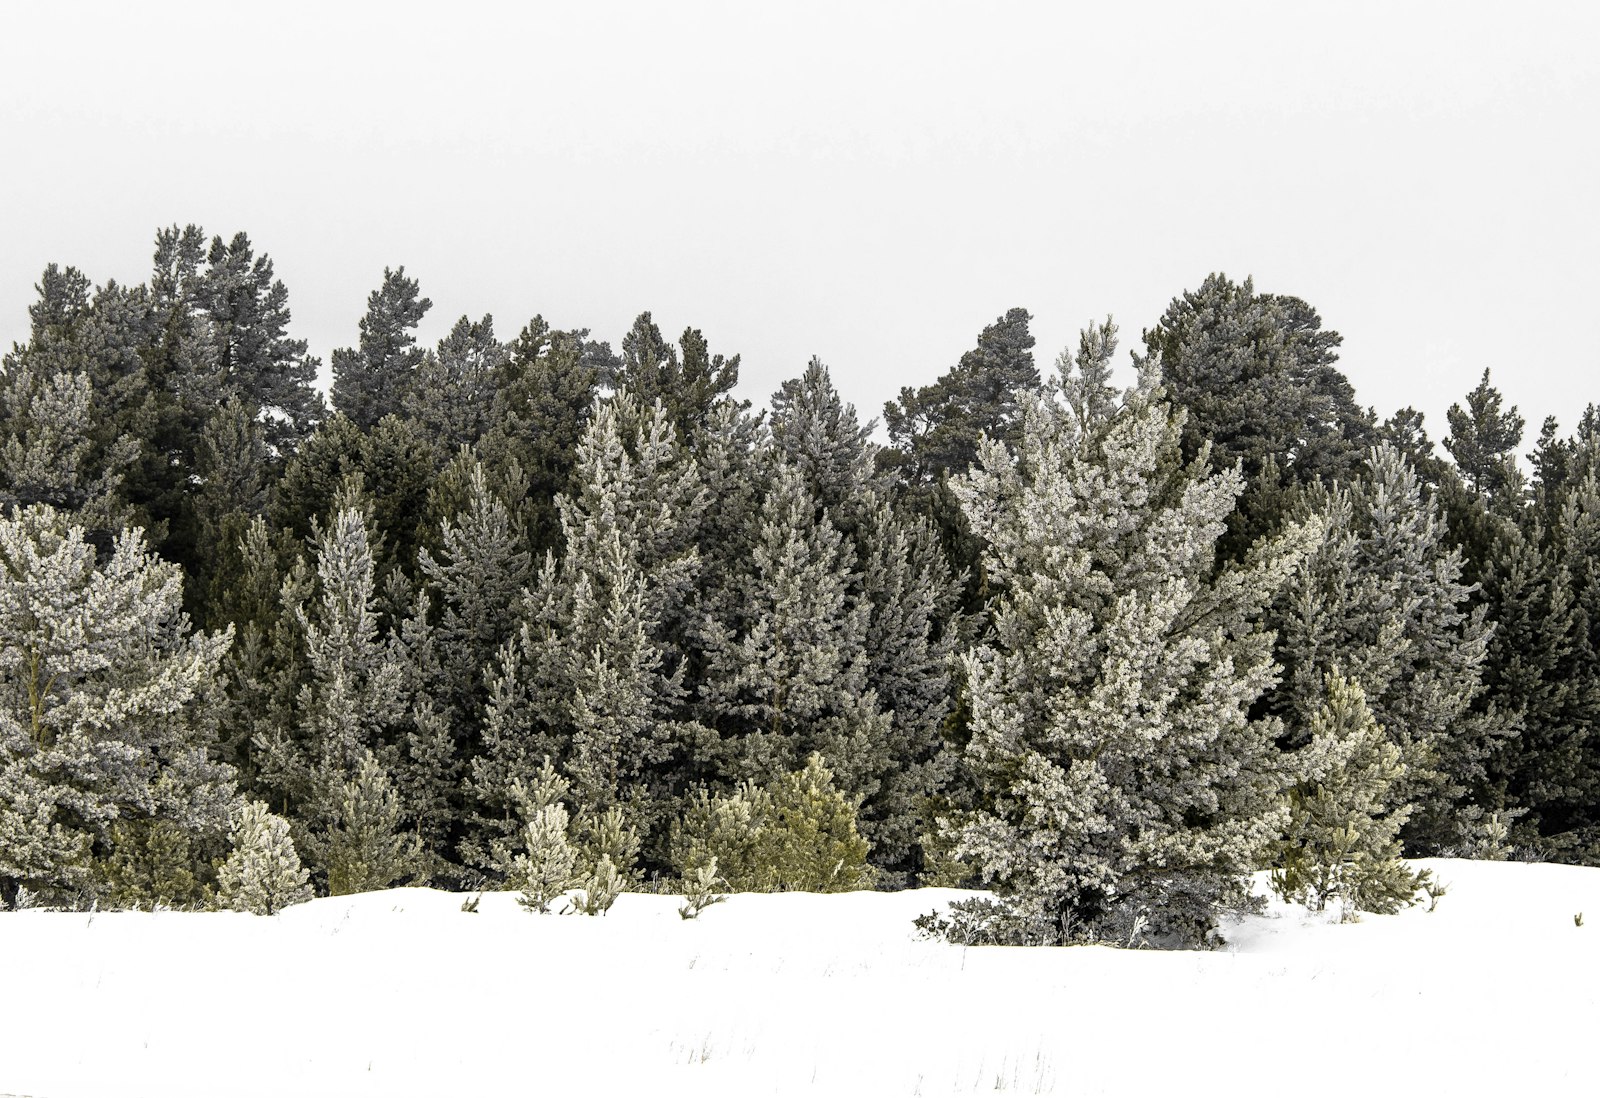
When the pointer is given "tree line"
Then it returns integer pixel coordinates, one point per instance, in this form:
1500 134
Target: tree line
1103 651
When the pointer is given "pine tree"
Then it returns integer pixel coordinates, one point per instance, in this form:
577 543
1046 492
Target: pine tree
547 866
543 399
900 573
792 679
375 379
366 847
1382 597
103 700
1257 375
594 677
454 390
797 833
246 314
263 875
1342 841
1127 791
350 696
935 431
1483 440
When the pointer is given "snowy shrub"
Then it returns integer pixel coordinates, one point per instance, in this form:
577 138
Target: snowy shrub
611 848
263 875
152 864
547 865
797 835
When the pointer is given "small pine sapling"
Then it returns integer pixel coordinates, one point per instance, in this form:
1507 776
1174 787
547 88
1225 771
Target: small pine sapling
700 889
797 835
367 848
263 875
548 865
611 848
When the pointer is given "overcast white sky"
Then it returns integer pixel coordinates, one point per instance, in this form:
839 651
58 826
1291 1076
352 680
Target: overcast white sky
871 183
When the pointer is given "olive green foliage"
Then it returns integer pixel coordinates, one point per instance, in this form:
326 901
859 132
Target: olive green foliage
367 847
700 885
1342 842
153 864
797 834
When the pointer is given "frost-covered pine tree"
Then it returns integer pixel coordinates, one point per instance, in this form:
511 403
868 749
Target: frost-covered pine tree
1127 791
352 695
900 572
1342 841
1382 597
263 874
790 679
102 687
594 676
467 609
454 388
546 866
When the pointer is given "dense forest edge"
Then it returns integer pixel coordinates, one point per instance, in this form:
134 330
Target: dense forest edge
551 617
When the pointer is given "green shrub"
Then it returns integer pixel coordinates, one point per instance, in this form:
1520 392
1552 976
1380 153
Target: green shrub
798 834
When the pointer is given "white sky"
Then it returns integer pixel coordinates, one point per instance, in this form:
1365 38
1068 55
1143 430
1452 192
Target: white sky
871 183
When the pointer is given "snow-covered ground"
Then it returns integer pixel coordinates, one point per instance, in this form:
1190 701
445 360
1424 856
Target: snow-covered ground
402 993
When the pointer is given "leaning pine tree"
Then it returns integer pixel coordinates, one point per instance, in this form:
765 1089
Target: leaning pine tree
1126 791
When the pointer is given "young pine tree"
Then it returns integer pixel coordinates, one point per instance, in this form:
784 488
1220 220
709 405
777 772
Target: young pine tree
263 875
1343 841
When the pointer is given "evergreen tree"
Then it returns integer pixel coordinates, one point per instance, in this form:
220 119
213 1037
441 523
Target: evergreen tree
1483 440
1343 840
792 678
1257 375
263 875
935 431
103 711
350 698
454 391
1383 598
795 834
594 677
689 386
900 573
246 315
366 848
543 399
1127 792
72 401
375 378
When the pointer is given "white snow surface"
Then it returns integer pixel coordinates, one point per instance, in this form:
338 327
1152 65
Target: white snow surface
402 993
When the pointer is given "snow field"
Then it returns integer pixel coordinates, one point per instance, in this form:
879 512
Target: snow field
401 993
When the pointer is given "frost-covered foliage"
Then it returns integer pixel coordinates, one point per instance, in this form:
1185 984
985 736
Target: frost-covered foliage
350 695
1381 596
1342 842
546 866
797 834
102 691
1126 791
263 875
700 889
594 678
